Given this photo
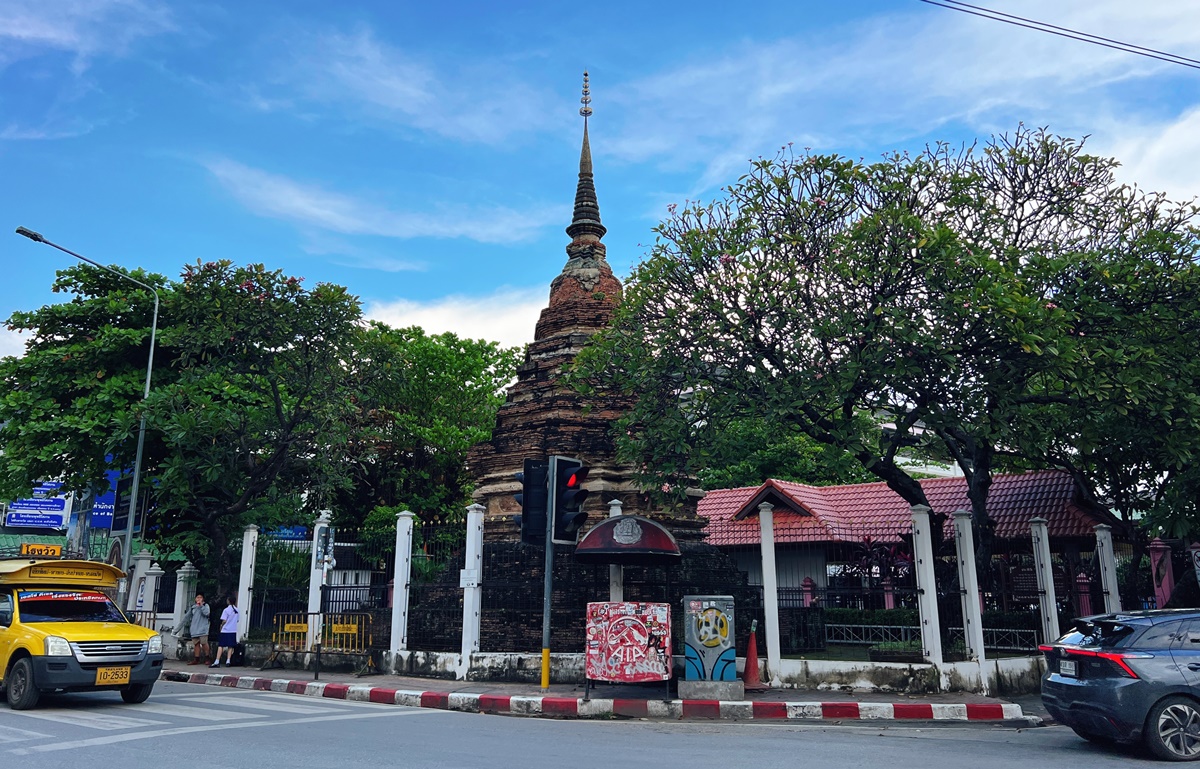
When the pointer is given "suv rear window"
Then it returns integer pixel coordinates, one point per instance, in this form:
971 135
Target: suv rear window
1101 634
66 606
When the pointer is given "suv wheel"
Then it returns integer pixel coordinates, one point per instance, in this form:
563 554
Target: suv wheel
21 690
1173 729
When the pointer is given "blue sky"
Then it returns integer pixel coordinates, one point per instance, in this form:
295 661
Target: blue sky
424 154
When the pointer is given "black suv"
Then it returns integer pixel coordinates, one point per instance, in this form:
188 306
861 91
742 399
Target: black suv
1129 676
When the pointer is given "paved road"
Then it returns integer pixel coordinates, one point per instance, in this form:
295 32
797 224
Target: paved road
183 726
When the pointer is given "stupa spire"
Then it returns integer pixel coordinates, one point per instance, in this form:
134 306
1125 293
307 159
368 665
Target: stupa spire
585 224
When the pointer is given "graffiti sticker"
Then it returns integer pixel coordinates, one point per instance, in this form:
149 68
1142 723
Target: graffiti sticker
628 642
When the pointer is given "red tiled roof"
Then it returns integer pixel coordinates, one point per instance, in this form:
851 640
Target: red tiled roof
850 513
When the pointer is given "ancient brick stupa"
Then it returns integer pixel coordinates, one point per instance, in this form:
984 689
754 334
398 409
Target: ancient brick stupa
541 415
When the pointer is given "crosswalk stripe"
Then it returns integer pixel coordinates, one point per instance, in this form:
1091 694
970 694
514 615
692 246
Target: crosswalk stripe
262 703
203 714
92 718
13 734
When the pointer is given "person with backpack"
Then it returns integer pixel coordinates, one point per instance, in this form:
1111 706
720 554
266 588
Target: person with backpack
227 639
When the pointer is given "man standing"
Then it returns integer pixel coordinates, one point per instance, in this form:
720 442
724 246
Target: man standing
199 629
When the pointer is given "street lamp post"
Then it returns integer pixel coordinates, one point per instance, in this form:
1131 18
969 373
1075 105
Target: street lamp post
127 545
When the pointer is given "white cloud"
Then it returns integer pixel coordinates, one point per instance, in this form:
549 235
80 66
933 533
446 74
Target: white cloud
280 197
85 28
1163 157
507 316
12 343
479 101
893 78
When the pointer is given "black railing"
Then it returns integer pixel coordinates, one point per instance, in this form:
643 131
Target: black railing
268 602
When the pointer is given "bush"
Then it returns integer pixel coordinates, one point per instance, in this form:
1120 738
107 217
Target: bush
906 617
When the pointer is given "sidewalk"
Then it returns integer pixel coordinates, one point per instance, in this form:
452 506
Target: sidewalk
616 700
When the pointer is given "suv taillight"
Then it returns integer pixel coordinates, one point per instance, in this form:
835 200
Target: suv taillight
1116 658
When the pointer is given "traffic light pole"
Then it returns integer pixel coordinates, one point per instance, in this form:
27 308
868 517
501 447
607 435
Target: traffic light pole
547 595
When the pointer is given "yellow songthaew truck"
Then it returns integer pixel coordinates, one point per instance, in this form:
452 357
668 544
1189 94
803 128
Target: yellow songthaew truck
60 632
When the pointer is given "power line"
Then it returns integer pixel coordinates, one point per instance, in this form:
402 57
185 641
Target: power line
1083 37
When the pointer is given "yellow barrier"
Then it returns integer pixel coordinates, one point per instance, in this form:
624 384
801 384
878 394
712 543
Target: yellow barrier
346 633
291 631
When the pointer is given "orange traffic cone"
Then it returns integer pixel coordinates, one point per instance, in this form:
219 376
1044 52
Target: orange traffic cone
750 676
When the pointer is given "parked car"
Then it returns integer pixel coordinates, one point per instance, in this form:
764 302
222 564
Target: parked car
1127 677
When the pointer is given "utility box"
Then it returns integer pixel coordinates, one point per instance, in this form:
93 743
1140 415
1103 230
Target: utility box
708 639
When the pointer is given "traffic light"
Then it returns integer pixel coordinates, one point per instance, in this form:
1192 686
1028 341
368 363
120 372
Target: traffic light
535 492
566 503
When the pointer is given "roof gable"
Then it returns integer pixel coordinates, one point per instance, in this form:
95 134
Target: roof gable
805 513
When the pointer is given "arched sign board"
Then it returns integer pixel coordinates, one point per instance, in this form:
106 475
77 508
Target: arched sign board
628 540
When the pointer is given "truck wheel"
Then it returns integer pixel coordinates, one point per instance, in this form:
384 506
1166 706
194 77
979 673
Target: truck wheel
22 692
136 693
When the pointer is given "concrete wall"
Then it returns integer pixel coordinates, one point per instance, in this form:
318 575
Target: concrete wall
999 677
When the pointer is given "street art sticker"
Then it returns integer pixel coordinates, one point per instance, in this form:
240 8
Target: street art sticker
628 642
708 647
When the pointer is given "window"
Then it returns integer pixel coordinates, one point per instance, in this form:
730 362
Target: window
6 609
66 606
1160 636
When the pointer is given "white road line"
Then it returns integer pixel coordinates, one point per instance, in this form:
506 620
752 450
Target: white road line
92 718
13 734
262 703
202 714
392 712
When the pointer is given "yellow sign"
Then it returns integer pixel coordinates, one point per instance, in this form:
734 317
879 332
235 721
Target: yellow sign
30 548
295 627
67 572
345 629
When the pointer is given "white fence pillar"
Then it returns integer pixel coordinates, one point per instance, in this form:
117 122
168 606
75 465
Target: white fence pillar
246 579
968 582
471 581
154 574
316 575
138 600
401 582
766 524
185 593
616 572
931 628
1043 566
1108 567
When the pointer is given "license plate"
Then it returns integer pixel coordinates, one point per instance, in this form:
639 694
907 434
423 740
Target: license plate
112 676
1068 668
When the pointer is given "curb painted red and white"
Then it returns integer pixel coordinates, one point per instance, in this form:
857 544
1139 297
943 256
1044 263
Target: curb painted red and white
567 707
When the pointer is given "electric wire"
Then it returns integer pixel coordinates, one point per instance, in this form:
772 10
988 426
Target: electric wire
1072 34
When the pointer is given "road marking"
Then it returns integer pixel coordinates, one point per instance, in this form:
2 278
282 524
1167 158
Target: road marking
391 712
203 714
92 718
264 704
13 734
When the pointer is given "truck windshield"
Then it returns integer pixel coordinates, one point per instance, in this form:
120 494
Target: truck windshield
66 606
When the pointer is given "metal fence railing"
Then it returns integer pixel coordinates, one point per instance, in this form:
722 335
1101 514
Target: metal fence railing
868 635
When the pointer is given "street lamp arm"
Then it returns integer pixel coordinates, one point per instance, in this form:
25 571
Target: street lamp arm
38 237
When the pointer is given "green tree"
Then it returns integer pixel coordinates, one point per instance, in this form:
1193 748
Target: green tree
748 452
820 289
421 402
248 407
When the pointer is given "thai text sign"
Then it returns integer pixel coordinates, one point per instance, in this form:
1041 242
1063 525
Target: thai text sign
628 642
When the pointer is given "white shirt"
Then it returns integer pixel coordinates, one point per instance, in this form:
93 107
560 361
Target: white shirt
229 619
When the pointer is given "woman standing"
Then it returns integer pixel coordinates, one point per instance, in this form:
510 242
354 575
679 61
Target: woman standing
228 636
